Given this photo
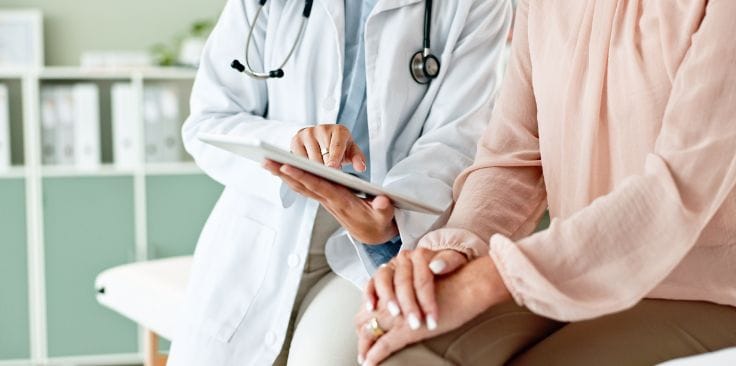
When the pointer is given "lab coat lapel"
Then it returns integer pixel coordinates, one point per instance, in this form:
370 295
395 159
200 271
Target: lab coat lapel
335 10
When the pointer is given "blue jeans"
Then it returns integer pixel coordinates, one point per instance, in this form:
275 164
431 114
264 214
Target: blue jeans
383 253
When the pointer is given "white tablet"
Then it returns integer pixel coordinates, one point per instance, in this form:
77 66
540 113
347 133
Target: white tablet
260 151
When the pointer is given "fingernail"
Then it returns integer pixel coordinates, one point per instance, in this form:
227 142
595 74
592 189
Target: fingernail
364 166
369 306
393 309
360 360
437 265
414 322
431 322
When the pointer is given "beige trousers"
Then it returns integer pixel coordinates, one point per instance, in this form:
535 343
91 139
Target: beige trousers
321 328
651 332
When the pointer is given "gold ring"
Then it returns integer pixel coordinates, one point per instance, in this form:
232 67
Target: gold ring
374 328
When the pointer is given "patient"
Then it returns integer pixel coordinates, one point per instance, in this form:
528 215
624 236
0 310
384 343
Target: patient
620 117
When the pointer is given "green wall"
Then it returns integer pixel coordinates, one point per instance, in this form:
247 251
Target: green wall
73 26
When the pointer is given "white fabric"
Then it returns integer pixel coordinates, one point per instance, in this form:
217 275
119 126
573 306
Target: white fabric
149 293
324 333
726 357
250 256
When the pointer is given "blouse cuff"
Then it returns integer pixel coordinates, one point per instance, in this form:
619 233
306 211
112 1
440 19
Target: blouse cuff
498 246
460 240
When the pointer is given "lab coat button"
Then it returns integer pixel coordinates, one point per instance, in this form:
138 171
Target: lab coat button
293 261
271 339
329 103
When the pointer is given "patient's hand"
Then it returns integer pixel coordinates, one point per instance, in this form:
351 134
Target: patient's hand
406 285
460 297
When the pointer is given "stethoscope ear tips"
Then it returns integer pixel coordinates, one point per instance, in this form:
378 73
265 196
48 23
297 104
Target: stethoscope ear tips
237 66
276 73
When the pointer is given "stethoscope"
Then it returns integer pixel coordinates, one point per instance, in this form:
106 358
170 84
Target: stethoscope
423 66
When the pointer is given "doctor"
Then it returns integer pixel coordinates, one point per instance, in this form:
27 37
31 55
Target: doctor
338 81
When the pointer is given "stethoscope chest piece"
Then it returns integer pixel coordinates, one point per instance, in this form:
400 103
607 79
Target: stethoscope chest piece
423 67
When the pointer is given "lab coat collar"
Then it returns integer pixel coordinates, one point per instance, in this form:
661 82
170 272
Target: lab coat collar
336 8
386 5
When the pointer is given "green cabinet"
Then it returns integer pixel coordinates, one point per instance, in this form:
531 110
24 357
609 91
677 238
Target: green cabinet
177 208
88 227
14 326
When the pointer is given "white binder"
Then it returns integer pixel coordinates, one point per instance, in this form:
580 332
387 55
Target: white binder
125 126
153 122
64 142
4 128
86 99
49 123
162 121
171 143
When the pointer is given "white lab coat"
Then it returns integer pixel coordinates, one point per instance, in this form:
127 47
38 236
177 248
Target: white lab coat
252 251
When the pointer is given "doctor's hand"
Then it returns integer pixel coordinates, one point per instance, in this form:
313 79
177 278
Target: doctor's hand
329 144
406 285
371 221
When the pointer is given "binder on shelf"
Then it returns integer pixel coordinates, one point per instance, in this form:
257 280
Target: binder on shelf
86 99
64 144
125 126
4 128
152 121
49 123
172 145
161 117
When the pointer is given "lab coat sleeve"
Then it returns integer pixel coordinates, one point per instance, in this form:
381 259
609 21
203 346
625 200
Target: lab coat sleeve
460 111
225 102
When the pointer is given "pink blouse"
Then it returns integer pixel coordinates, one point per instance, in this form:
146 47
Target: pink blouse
620 116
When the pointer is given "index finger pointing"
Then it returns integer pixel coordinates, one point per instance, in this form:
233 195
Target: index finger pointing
339 141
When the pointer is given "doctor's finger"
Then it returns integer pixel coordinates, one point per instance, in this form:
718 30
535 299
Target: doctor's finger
355 155
297 186
404 287
272 166
384 282
333 194
340 139
297 148
313 148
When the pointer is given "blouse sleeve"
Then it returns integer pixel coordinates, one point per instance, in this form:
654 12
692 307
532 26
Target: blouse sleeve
503 191
609 255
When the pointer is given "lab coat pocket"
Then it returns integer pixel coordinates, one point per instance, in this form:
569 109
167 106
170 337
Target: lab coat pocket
236 274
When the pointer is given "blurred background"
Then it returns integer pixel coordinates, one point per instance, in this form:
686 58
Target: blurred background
92 171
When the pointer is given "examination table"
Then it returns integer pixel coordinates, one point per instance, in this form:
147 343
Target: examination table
149 293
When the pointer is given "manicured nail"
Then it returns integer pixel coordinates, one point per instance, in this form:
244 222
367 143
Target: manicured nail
414 322
369 306
437 265
431 322
393 309
364 166
360 360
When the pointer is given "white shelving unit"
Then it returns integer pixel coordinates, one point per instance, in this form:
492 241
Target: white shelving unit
34 173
